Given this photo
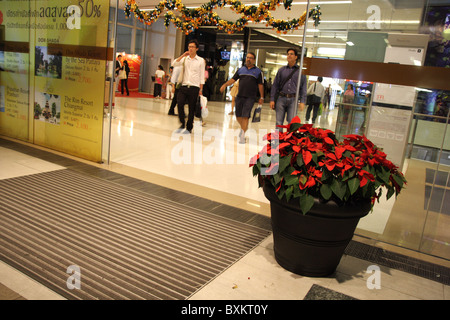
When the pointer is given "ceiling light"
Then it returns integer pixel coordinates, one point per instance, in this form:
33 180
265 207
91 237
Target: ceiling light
325 43
331 51
351 44
375 21
322 2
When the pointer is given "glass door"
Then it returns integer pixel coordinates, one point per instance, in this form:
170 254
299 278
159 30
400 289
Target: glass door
353 104
435 237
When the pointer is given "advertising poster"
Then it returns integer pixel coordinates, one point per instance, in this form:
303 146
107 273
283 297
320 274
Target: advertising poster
134 62
66 67
14 67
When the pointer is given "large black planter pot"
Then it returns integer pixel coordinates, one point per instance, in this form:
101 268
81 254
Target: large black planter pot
311 245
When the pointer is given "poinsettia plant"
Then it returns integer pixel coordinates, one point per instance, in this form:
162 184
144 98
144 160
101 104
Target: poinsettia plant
308 163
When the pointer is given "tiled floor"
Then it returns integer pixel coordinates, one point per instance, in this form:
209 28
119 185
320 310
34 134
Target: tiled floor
141 126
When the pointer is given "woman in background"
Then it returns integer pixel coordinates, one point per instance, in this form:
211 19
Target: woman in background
159 76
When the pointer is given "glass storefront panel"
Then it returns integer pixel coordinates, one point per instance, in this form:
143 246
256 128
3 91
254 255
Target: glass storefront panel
138 47
435 237
430 146
123 38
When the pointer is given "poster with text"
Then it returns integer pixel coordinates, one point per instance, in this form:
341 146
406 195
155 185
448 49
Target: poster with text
14 66
388 129
63 69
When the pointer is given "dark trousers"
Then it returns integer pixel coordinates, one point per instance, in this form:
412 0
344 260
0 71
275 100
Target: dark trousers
124 83
157 90
315 108
174 102
187 95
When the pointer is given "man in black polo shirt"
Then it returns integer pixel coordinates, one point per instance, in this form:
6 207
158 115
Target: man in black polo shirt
250 81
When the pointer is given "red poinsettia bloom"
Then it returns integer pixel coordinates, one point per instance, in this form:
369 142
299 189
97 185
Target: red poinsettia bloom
305 146
318 160
364 177
305 181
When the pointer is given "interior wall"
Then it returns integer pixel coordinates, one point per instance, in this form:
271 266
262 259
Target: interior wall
160 44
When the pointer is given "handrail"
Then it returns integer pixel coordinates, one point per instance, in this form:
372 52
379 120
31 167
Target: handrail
352 105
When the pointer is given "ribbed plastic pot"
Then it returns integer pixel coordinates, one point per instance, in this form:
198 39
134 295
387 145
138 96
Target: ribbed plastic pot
313 244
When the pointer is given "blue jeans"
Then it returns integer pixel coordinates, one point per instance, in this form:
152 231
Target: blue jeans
285 108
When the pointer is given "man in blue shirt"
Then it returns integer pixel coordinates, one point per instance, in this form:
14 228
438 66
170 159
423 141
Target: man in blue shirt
250 81
285 86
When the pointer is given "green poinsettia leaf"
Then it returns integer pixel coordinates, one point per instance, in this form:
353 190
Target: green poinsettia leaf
325 175
353 185
314 157
384 175
280 193
255 170
338 188
297 191
306 203
299 161
325 191
291 180
284 162
294 127
399 179
390 192
289 193
276 178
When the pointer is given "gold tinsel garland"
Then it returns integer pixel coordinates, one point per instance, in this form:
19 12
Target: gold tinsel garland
190 19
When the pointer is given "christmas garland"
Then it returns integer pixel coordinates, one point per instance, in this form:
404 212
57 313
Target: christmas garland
190 19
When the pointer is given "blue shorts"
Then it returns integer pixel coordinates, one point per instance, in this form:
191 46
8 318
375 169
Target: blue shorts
244 107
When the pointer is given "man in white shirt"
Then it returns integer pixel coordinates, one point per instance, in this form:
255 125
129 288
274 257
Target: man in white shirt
193 79
318 91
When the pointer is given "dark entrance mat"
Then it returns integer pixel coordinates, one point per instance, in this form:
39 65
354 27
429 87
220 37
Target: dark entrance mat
321 293
126 243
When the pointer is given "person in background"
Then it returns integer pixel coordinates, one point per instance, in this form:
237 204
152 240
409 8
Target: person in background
174 81
124 82
119 66
250 82
170 84
285 86
349 94
193 79
318 91
348 98
159 76
327 97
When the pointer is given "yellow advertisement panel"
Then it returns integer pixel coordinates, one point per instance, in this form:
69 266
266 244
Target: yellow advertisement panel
14 70
68 50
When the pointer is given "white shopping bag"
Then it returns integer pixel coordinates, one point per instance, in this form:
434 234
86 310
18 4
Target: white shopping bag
203 104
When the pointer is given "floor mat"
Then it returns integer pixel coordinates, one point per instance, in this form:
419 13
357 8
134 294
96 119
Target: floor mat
321 293
126 244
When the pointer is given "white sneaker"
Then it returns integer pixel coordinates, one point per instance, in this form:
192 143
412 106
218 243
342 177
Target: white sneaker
242 137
